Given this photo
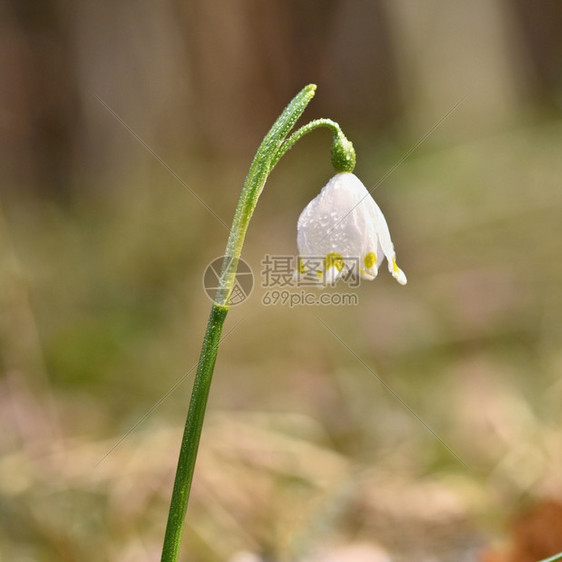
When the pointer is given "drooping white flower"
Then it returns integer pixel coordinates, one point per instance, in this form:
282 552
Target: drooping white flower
343 230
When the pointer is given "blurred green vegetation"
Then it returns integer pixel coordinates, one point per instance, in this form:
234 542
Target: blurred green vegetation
108 305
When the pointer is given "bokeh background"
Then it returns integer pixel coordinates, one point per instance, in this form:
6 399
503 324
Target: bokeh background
107 109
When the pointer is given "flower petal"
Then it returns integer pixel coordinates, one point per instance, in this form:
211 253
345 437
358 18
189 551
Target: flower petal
335 221
397 273
344 221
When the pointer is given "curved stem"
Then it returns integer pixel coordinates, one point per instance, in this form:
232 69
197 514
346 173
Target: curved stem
273 147
304 130
260 168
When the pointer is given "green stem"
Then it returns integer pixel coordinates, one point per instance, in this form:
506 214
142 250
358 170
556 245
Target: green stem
343 154
192 434
260 168
553 558
304 130
273 147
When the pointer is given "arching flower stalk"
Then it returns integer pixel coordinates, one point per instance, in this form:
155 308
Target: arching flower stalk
323 227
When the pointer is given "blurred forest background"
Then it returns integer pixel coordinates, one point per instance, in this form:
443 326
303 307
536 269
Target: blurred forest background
107 109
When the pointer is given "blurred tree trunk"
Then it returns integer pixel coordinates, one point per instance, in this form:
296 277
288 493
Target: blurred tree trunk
540 36
213 74
39 96
248 58
449 51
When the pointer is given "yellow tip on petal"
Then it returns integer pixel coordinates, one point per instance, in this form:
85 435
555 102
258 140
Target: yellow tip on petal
370 260
398 274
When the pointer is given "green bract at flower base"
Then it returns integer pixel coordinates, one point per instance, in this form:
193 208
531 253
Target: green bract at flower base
274 145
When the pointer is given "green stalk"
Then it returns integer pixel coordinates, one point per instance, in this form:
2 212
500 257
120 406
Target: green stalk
260 168
343 154
192 434
553 558
274 145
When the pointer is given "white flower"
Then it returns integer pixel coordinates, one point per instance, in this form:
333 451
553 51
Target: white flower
343 230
